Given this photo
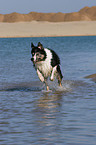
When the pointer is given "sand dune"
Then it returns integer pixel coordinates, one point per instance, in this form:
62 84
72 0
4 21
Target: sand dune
85 14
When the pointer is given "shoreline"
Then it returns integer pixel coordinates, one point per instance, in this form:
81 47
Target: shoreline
45 36
47 29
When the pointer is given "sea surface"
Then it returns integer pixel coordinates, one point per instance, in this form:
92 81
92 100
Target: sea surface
64 116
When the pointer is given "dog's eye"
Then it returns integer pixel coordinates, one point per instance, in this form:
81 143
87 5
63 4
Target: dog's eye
37 54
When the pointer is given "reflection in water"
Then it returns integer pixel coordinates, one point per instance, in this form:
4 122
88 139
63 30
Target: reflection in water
48 105
48 117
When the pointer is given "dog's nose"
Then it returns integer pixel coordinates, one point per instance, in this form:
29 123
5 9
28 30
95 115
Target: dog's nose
32 59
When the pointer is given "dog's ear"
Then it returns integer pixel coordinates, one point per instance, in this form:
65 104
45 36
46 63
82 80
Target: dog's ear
32 45
40 45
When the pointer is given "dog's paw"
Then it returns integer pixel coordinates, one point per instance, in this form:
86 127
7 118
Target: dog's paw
51 79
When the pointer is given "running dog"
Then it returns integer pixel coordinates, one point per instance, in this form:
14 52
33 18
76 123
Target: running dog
46 63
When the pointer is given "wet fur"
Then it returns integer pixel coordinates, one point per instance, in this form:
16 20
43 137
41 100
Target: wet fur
46 63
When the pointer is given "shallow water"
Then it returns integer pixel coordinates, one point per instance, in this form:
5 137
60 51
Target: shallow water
29 114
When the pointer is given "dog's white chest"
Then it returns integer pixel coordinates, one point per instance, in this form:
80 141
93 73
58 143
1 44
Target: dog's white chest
45 66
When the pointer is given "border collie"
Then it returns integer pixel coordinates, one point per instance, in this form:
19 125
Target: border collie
46 63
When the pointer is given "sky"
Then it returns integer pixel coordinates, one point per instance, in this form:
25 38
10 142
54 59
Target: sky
45 6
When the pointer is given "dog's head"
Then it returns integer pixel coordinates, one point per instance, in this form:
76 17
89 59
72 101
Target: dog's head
38 53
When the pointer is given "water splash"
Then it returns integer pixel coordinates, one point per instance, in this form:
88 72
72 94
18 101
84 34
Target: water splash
67 85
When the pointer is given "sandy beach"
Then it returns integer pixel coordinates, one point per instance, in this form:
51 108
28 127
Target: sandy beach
44 29
92 77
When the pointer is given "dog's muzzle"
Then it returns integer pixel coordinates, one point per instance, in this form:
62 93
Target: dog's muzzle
32 59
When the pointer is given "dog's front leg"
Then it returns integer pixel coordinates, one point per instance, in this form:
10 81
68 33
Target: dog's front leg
53 73
42 79
47 87
40 76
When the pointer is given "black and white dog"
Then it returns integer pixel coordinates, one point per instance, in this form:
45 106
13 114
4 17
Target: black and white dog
46 63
